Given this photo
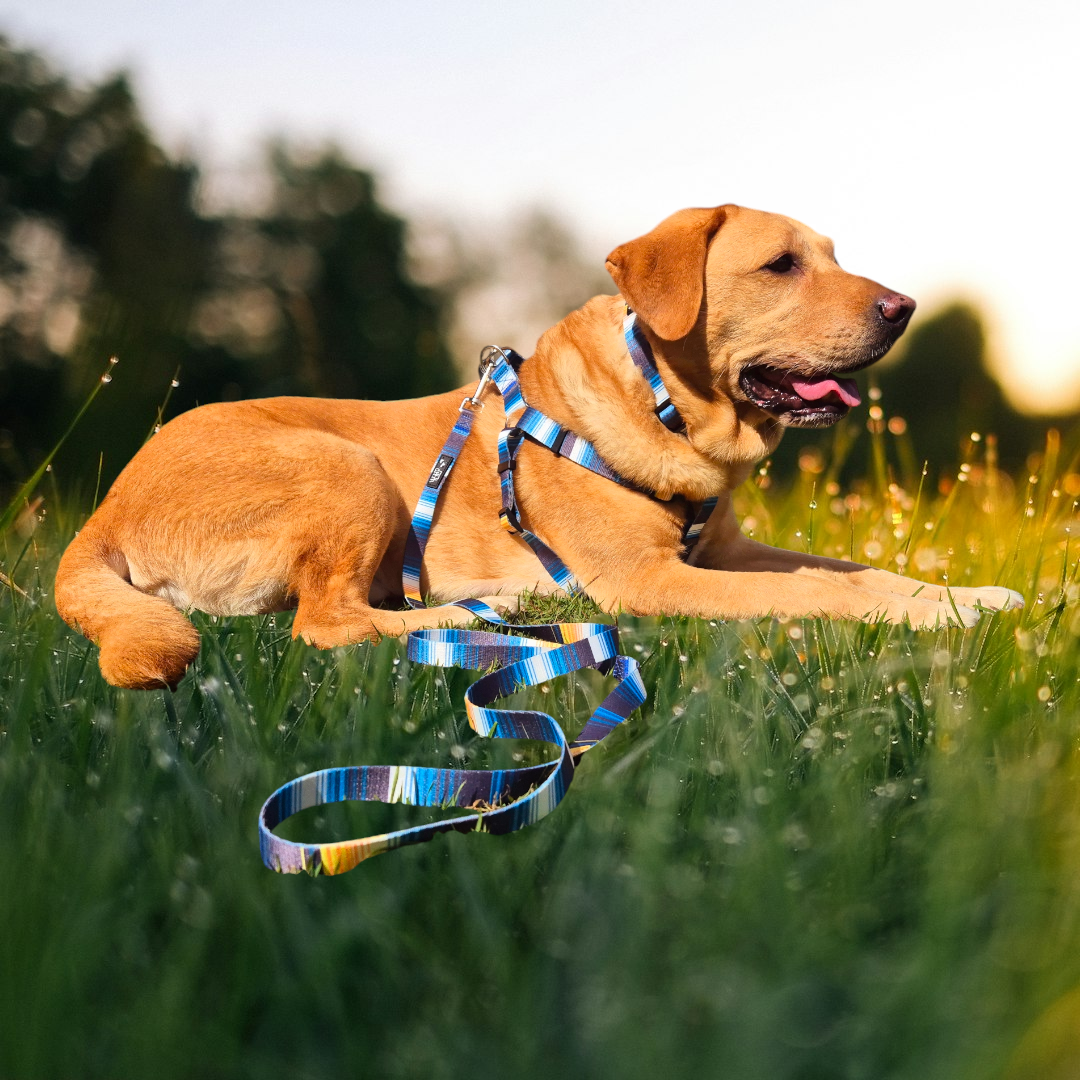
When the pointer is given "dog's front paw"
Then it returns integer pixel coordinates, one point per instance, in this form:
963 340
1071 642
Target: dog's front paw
929 614
994 598
947 615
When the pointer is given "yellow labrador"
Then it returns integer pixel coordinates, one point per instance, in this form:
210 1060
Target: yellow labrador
265 505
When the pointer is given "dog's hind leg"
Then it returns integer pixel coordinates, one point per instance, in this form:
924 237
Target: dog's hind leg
328 622
339 545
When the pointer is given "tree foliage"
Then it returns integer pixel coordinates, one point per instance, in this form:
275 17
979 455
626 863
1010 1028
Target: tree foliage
927 399
105 250
941 385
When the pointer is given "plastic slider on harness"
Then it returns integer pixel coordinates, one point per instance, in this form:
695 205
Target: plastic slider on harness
508 462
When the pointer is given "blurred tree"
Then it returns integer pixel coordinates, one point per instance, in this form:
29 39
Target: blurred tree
506 284
313 295
936 388
941 385
101 252
104 251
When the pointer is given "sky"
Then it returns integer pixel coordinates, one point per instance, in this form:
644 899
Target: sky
935 142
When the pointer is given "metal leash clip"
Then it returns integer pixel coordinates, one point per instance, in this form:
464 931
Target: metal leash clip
489 357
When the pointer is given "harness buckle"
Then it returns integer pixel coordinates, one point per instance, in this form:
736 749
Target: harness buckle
556 446
508 518
673 421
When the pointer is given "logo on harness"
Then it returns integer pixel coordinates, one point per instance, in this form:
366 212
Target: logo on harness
438 474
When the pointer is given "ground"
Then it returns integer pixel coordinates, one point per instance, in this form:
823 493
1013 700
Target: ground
820 850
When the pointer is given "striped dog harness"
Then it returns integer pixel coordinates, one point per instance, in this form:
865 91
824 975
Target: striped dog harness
498 800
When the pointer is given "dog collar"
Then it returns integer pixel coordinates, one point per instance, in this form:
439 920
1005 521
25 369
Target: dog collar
642 355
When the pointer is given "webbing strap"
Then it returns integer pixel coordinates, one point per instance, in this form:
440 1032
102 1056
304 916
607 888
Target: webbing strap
694 527
500 800
565 443
509 443
420 526
642 355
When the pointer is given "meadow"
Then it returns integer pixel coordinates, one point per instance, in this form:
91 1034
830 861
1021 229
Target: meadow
820 850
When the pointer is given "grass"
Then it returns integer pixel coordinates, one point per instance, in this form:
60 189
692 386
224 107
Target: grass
822 850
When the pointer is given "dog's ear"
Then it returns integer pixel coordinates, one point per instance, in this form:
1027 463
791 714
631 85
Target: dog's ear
661 275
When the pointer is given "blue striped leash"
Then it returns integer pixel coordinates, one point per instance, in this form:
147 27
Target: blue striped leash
500 800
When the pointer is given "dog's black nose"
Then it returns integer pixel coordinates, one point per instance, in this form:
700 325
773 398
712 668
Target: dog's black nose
896 308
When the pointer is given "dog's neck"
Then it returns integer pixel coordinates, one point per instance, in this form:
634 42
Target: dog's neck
582 376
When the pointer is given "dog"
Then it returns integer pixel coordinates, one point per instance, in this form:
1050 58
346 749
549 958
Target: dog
256 506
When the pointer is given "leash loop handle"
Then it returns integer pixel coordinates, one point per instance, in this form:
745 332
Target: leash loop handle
499 800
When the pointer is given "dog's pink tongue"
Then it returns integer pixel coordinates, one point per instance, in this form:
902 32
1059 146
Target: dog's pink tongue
824 386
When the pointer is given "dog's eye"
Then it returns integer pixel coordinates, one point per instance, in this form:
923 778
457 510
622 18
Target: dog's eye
783 265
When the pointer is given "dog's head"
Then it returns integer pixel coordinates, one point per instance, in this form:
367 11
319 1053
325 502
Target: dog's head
782 325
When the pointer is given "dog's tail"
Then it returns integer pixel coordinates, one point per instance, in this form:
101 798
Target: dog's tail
145 642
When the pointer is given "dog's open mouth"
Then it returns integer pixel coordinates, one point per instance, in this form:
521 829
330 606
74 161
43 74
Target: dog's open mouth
800 400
